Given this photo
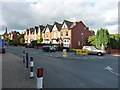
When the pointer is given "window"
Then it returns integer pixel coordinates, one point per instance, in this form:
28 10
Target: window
66 33
46 35
84 28
82 34
54 34
61 33
78 43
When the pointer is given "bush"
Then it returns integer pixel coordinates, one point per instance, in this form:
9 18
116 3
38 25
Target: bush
22 44
34 42
70 50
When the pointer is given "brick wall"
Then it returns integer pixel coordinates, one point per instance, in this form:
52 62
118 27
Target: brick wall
77 36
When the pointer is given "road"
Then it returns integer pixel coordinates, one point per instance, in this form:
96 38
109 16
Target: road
76 72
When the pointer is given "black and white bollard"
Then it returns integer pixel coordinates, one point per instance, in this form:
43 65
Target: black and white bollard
40 79
31 67
26 60
23 56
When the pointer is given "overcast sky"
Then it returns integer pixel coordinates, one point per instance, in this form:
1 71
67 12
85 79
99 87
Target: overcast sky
22 14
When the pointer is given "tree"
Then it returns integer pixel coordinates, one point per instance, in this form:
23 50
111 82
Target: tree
22 40
41 39
102 37
0 36
34 42
91 40
114 41
20 37
7 38
92 32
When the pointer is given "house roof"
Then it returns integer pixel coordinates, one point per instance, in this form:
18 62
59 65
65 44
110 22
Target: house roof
41 27
58 25
68 23
48 26
31 30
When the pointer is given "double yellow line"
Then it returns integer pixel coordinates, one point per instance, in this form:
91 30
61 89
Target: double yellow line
81 51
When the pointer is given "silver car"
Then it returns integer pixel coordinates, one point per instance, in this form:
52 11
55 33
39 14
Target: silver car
93 50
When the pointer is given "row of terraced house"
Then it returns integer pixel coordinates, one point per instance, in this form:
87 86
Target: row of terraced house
69 34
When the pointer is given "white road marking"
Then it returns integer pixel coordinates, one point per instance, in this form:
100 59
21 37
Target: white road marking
111 70
93 57
85 57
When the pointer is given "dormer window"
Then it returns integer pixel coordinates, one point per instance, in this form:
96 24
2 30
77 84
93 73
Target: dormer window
64 26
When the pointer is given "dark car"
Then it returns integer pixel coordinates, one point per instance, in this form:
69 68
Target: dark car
48 49
29 46
58 48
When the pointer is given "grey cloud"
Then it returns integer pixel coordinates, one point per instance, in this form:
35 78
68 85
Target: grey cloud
24 15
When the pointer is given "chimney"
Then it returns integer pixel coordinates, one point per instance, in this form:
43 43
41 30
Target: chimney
55 22
74 23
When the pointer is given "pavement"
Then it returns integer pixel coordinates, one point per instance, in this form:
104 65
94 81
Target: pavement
14 73
115 54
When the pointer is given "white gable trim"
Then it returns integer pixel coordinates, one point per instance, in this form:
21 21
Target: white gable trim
54 28
47 30
64 26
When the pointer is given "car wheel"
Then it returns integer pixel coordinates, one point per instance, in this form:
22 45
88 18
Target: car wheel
99 54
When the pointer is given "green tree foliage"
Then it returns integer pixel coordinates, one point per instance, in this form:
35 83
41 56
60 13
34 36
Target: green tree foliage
91 40
0 36
7 38
92 32
102 37
34 42
108 40
20 37
41 39
22 40
114 41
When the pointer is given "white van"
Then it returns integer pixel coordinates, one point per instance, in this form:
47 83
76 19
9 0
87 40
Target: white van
93 50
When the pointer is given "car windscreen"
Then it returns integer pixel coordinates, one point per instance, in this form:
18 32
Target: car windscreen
93 48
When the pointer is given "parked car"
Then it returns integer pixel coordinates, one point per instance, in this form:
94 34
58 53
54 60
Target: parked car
48 49
57 47
93 50
29 45
2 47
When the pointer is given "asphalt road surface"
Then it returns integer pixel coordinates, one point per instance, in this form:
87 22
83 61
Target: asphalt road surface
80 72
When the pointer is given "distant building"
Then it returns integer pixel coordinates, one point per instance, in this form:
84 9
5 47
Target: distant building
69 34
13 35
5 34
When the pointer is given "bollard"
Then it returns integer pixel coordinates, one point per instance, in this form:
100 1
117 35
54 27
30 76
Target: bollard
31 67
64 52
27 60
23 56
40 79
